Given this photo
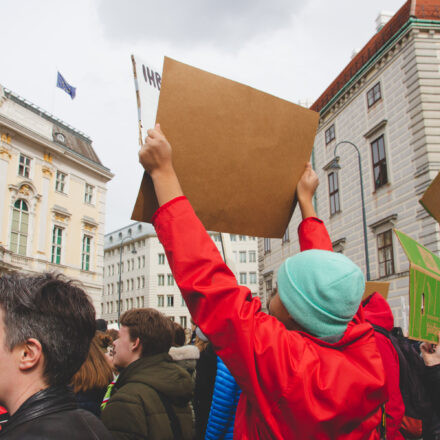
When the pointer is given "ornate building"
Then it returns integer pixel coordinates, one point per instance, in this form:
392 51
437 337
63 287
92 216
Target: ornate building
52 196
383 109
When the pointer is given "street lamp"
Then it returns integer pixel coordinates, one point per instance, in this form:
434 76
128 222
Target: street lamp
335 165
120 273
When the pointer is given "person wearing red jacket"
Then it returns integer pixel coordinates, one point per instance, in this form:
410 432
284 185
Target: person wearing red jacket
310 371
378 312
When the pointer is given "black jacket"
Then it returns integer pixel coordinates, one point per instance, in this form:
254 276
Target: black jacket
431 431
53 414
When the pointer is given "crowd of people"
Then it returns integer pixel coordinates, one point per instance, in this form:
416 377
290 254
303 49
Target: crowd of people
320 365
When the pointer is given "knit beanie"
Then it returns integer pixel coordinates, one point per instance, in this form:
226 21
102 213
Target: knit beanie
321 290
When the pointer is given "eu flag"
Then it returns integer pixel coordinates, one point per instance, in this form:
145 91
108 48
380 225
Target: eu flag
63 84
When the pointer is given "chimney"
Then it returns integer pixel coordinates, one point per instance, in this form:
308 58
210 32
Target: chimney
382 19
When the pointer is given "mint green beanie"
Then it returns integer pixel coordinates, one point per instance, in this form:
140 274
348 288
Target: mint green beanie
321 290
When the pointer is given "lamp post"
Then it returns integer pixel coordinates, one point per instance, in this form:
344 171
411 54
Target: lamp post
335 165
121 246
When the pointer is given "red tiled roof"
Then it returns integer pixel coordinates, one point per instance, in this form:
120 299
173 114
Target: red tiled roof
421 9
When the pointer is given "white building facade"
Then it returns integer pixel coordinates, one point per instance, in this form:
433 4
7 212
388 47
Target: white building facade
52 196
146 278
386 102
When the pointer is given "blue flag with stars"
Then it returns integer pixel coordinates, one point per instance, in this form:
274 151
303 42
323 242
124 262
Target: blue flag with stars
63 84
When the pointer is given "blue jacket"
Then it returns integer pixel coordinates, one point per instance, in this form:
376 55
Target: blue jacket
224 404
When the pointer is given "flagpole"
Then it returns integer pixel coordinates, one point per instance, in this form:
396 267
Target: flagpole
53 95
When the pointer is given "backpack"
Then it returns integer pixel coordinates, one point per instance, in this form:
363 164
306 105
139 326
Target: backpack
412 386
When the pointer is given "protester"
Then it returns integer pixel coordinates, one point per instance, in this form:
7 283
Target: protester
185 356
431 357
47 324
378 313
224 405
151 395
101 325
90 382
206 371
312 370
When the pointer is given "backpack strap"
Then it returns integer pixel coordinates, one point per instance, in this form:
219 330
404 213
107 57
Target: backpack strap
174 421
381 330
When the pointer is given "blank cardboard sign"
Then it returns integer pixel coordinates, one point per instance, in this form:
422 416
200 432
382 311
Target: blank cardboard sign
431 198
376 286
238 152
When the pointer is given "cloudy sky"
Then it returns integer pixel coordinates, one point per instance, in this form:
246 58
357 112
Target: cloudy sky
289 48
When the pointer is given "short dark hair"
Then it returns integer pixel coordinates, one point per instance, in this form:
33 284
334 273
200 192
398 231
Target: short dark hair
179 337
56 312
154 330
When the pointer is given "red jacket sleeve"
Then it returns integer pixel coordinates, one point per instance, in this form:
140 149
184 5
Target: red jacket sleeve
313 235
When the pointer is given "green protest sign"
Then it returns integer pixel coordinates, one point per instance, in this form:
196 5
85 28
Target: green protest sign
424 290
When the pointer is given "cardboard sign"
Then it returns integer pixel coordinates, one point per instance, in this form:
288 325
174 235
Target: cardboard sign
238 152
424 290
431 199
376 286
147 83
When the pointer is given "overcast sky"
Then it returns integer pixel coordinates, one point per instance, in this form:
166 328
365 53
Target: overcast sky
289 48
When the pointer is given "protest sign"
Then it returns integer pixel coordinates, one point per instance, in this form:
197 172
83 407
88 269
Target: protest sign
431 199
424 290
376 286
147 82
238 152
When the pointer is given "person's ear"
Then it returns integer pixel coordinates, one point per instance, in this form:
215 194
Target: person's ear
30 354
136 344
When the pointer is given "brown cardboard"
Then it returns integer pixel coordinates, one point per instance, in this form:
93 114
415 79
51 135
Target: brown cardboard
376 286
238 152
431 199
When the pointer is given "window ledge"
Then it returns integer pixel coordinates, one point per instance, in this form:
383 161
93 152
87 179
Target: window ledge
392 276
335 214
382 188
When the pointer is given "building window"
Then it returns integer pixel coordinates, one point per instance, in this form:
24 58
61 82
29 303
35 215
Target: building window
243 278
183 321
57 239
242 256
143 281
286 236
88 194
86 245
60 182
161 258
19 227
143 261
24 166
216 237
142 301
171 318
242 237
386 255
268 287
252 256
161 280
379 162
170 280
233 237
330 134
266 245
139 262
374 95
170 300
182 303
333 190
253 277
160 301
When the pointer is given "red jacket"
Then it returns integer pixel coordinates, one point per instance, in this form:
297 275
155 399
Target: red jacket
294 385
378 312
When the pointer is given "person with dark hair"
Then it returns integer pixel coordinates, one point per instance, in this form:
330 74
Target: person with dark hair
101 325
46 326
150 399
185 356
91 380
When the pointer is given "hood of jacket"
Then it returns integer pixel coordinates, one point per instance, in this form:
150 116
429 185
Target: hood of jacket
377 311
162 374
184 353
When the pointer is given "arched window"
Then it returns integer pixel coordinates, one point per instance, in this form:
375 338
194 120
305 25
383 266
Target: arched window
19 228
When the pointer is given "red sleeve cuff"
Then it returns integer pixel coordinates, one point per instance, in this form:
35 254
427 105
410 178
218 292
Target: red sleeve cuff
165 207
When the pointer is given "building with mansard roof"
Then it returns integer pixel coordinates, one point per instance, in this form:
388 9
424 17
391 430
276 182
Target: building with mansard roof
385 104
52 196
